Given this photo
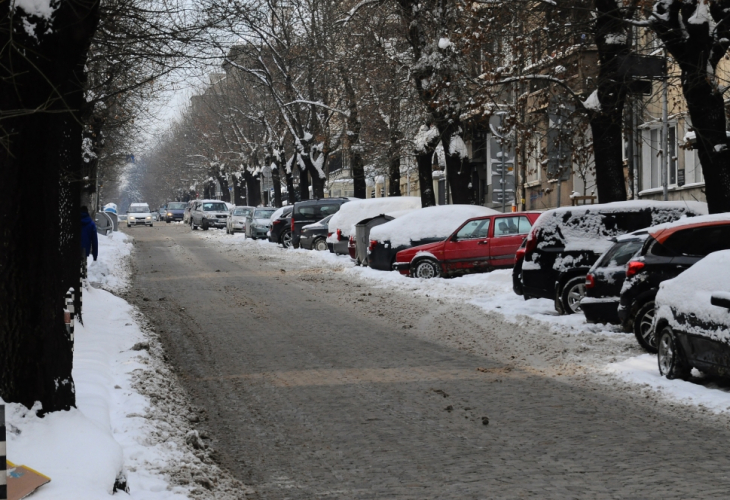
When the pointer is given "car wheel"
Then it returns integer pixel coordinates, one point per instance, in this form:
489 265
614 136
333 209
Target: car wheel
644 328
193 226
426 269
204 225
670 358
320 245
286 239
167 221
573 291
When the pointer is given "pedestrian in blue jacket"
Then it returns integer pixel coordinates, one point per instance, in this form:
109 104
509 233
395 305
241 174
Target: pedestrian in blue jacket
89 240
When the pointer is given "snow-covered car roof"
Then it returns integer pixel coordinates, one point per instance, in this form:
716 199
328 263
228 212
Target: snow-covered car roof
280 211
354 211
689 294
663 231
431 222
591 227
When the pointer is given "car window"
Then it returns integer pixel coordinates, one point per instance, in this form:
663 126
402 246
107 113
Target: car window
176 206
215 207
260 213
474 229
620 253
241 211
138 209
699 241
510 226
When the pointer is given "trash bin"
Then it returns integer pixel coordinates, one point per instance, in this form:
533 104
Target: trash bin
362 236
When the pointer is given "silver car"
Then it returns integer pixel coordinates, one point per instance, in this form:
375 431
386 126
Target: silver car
208 213
236 220
257 222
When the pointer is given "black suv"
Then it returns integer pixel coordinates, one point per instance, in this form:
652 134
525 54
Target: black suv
564 243
311 211
669 250
279 229
606 277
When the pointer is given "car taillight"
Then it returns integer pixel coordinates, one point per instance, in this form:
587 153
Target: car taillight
371 247
633 267
277 221
590 281
351 241
339 235
531 242
520 254
329 234
292 224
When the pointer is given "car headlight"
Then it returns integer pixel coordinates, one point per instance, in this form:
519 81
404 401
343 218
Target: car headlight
131 217
149 217
169 214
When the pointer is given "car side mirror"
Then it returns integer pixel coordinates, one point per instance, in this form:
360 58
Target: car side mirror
720 299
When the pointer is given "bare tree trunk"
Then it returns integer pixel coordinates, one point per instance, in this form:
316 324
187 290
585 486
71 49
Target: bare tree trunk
606 123
36 352
707 110
425 179
394 176
352 132
458 170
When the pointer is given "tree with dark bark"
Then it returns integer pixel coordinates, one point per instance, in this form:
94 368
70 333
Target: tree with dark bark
697 35
42 58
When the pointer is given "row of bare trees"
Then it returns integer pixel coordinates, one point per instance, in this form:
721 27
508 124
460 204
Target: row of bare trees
383 80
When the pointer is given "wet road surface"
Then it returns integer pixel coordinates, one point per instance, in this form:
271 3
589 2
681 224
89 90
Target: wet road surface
308 395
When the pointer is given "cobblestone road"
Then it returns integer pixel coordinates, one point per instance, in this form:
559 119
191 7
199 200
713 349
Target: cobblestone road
311 396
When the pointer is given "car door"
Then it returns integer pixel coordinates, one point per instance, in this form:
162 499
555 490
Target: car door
468 247
508 233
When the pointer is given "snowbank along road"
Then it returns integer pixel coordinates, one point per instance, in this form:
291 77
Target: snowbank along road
318 384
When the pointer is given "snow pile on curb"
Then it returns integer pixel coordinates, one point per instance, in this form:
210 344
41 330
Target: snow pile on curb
643 370
111 270
132 423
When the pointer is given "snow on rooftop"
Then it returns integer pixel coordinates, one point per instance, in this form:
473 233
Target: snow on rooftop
354 211
431 222
724 217
585 228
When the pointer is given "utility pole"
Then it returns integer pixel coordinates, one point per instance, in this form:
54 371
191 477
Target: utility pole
560 153
503 164
665 138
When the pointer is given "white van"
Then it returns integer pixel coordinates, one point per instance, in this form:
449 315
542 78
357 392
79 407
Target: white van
139 214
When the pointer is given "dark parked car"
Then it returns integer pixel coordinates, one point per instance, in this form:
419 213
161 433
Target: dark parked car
314 236
478 245
564 243
310 211
419 227
668 250
606 277
257 222
693 319
173 211
280 227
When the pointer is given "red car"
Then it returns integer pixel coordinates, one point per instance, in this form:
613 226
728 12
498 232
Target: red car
478 245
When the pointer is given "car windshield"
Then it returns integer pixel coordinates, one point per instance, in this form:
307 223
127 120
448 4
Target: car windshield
242 211
138 209
176 206
214 207
263 213
621 253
